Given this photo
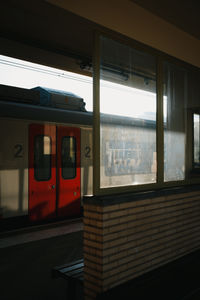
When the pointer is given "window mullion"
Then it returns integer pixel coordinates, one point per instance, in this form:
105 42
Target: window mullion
96 115
160 124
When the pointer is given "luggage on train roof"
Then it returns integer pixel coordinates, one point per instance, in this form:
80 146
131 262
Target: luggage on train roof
21 95
60 99
42 96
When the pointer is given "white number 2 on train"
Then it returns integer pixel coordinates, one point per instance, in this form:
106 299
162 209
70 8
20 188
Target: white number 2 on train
18 150
87 152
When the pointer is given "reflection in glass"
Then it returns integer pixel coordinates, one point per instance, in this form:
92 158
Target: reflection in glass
127 116
196 141
175 103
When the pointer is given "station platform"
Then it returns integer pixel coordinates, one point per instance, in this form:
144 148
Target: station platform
28 255
39 232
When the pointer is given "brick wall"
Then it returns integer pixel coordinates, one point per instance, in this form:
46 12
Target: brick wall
125 239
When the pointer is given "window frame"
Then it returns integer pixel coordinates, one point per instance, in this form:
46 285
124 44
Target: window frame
58 57
195 169
97 190
160 59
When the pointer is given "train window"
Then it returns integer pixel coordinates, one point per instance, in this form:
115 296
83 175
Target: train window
68 157
42 158
196 140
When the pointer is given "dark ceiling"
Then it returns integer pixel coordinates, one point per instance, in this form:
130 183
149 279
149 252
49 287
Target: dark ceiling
45 26
51 28
184 14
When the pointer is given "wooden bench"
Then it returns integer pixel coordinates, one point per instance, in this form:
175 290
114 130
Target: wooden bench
73 273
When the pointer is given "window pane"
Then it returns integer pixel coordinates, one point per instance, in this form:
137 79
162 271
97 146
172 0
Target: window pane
68 157
175 104
196 124
30 75
42 158
127 116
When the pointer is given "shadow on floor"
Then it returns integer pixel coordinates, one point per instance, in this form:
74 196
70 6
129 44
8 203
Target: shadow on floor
179 280
25 269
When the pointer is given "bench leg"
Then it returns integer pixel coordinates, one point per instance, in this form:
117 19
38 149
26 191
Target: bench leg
71 290
75 290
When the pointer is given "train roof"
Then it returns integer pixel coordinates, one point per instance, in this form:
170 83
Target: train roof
59 99
42 96
42 113
26 104
43 104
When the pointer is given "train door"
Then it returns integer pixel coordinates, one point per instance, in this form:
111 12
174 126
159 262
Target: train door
68 171
54 171
42 171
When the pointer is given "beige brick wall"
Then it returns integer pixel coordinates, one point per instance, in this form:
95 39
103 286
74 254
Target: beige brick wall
130 238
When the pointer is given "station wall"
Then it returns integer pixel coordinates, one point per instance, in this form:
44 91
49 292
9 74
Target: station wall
130 235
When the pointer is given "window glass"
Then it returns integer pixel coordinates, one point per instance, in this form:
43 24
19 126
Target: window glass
175 109
42 158
196 140
68 157
30 75
193 107
127 116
